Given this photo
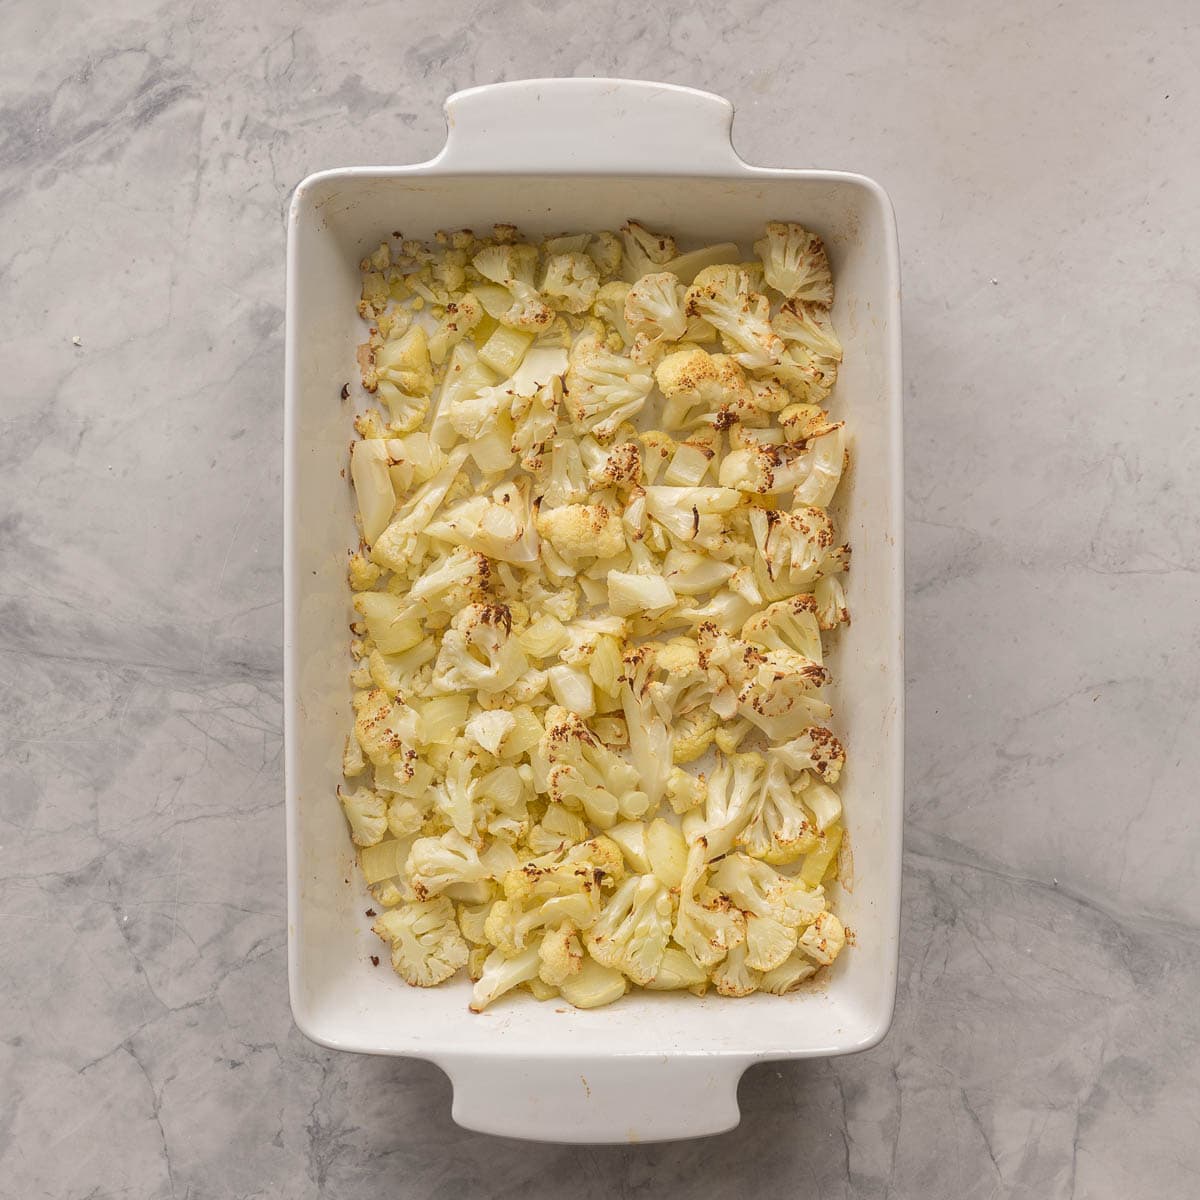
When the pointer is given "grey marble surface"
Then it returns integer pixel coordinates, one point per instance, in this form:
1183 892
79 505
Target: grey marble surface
1042 161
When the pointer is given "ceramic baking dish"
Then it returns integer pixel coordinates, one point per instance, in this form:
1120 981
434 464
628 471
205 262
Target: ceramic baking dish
553 155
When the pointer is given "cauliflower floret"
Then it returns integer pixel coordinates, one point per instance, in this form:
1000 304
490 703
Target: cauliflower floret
790 974
561 478
758 889
427 947
698 385
794 550
768 943
692 735
771 688
734 976
831 602
823 462
794 262
803 421
489 728
460 578
816 750
561 955
618 466
500 526
473 415
362 573
383 727
462 317
570 282
731 789
404 362
465 376
680 683
511 923
604 249
809 325
602 388
765 469
649 737
654 314
405 817
722 296
374 293
366 812
579 531
436 863
684 790
594 864
609 306
535 422
575 768
512 267
479 651
806 376
540 898
782 688
790 624
502 973
708 925
632 932
824 939
644 250
454 796
779 830
400 543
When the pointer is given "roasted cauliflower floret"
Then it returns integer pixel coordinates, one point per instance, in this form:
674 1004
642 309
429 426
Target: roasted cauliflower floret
366 813
581 531
570 282
794 549
722 296
479 651
574 768
632 932
708 925
513 267
427 947
794 262
603 389
698 385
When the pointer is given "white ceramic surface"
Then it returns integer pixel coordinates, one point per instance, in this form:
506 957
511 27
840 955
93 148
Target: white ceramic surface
555 155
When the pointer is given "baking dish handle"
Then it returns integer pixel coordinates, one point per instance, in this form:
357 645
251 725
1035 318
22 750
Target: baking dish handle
596 1100
573 126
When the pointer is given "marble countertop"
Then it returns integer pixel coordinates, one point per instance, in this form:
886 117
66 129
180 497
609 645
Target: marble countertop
1043 166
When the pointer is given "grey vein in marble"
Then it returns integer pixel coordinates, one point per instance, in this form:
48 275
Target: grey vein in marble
1047 1039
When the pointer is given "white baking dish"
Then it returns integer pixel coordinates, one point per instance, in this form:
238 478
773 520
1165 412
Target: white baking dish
553 155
